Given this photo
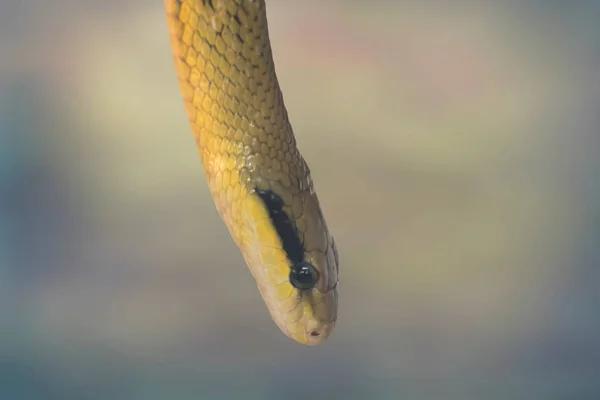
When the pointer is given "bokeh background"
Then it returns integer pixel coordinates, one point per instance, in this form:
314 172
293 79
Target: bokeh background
454 149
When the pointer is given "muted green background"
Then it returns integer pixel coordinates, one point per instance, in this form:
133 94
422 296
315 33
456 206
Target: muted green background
454 149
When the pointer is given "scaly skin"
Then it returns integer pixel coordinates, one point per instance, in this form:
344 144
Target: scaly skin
235 107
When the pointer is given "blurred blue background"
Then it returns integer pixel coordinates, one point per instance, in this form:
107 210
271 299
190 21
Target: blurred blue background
454 149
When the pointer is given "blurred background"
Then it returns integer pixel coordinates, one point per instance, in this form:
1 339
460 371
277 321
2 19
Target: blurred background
454 149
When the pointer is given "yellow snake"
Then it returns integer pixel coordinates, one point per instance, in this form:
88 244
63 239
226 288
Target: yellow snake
259 181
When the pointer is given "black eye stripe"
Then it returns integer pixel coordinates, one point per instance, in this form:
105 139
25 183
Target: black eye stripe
285 227
303 276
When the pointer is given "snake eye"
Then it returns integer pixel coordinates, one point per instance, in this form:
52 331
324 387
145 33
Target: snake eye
304 276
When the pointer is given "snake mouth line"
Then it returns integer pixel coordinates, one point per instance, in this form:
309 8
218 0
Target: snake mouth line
303 276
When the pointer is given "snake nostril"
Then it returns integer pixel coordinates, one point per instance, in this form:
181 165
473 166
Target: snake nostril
314 333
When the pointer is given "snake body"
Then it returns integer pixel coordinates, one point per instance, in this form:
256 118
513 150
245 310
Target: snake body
260 183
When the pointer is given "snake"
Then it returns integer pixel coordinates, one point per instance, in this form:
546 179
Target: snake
259 181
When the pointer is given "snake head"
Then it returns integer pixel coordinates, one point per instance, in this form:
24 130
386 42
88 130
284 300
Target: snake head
294 261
